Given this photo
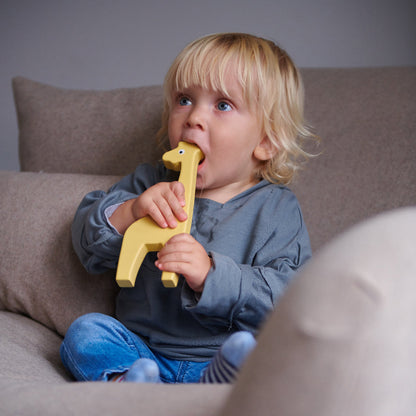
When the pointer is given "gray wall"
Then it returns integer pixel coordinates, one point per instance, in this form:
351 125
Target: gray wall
102 44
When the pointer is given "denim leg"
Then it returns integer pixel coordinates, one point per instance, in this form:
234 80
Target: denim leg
192 372
97 346
179 371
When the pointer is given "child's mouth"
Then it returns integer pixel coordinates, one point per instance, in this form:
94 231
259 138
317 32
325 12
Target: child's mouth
201 162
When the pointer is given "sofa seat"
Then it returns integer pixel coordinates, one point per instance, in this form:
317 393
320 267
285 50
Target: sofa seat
29 351
30 366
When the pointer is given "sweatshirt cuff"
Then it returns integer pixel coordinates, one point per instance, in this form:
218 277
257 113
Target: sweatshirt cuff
108 212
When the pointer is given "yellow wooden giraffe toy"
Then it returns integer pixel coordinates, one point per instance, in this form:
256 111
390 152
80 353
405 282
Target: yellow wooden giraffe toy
145 235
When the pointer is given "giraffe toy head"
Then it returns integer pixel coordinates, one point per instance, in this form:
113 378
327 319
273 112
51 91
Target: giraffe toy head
187 153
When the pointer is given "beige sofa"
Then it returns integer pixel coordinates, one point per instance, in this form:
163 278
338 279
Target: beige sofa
342 339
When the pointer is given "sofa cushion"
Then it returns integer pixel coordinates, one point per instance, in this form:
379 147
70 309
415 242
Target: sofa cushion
40 275
29 352
366 119
342 340
58 127
97 399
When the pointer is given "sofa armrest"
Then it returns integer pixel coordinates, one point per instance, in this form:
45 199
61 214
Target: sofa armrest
40 275
342 340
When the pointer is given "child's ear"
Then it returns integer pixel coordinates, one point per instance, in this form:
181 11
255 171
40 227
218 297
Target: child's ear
265 150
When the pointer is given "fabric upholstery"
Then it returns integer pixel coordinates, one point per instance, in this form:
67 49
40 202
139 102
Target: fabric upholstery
98 399
59 127
323 351
31 353
342 340
366 163
40 275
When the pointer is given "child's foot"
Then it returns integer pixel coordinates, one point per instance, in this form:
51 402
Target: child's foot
229 359
143 370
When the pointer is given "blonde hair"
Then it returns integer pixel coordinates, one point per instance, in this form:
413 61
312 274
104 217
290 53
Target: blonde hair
271 85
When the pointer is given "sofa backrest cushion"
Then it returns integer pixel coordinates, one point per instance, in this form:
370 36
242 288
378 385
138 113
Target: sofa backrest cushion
367 163
86 131
40 274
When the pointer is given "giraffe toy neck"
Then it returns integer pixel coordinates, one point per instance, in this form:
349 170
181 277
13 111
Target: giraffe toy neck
185 157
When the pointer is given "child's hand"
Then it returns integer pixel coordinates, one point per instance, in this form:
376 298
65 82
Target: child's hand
163 202
182 254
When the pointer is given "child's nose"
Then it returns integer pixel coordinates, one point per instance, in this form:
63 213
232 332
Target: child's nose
196 118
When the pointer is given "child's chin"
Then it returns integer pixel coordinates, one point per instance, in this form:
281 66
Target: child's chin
199 183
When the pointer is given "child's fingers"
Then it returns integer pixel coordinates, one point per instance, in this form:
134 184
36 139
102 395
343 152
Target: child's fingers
161 213
180 239
167 204
179 190
194 266
162 204
175 199
179 263
177 249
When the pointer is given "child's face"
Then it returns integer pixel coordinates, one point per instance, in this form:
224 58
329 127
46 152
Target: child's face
227 131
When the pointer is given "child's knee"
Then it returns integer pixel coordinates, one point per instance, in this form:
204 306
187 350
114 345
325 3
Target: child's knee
85 322
84 328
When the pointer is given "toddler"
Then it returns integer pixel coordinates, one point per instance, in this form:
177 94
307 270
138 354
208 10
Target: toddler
239 98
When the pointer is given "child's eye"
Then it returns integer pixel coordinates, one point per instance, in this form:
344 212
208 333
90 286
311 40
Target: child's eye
223 106
184 101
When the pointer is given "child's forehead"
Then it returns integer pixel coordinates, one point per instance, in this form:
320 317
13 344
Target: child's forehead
228 85
227 80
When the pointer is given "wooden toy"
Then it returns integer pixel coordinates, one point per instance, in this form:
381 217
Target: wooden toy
144 235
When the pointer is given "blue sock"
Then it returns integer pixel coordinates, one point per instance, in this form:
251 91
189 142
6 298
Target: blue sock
229 359
143 370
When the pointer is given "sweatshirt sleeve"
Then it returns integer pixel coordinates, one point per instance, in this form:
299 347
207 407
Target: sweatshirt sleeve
96 243
239 296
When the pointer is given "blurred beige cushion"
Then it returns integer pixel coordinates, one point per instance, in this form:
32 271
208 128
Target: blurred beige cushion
342 341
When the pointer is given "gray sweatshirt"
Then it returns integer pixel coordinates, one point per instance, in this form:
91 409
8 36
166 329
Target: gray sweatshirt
257 241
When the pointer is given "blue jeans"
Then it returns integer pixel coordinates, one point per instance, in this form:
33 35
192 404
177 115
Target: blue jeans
98 346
